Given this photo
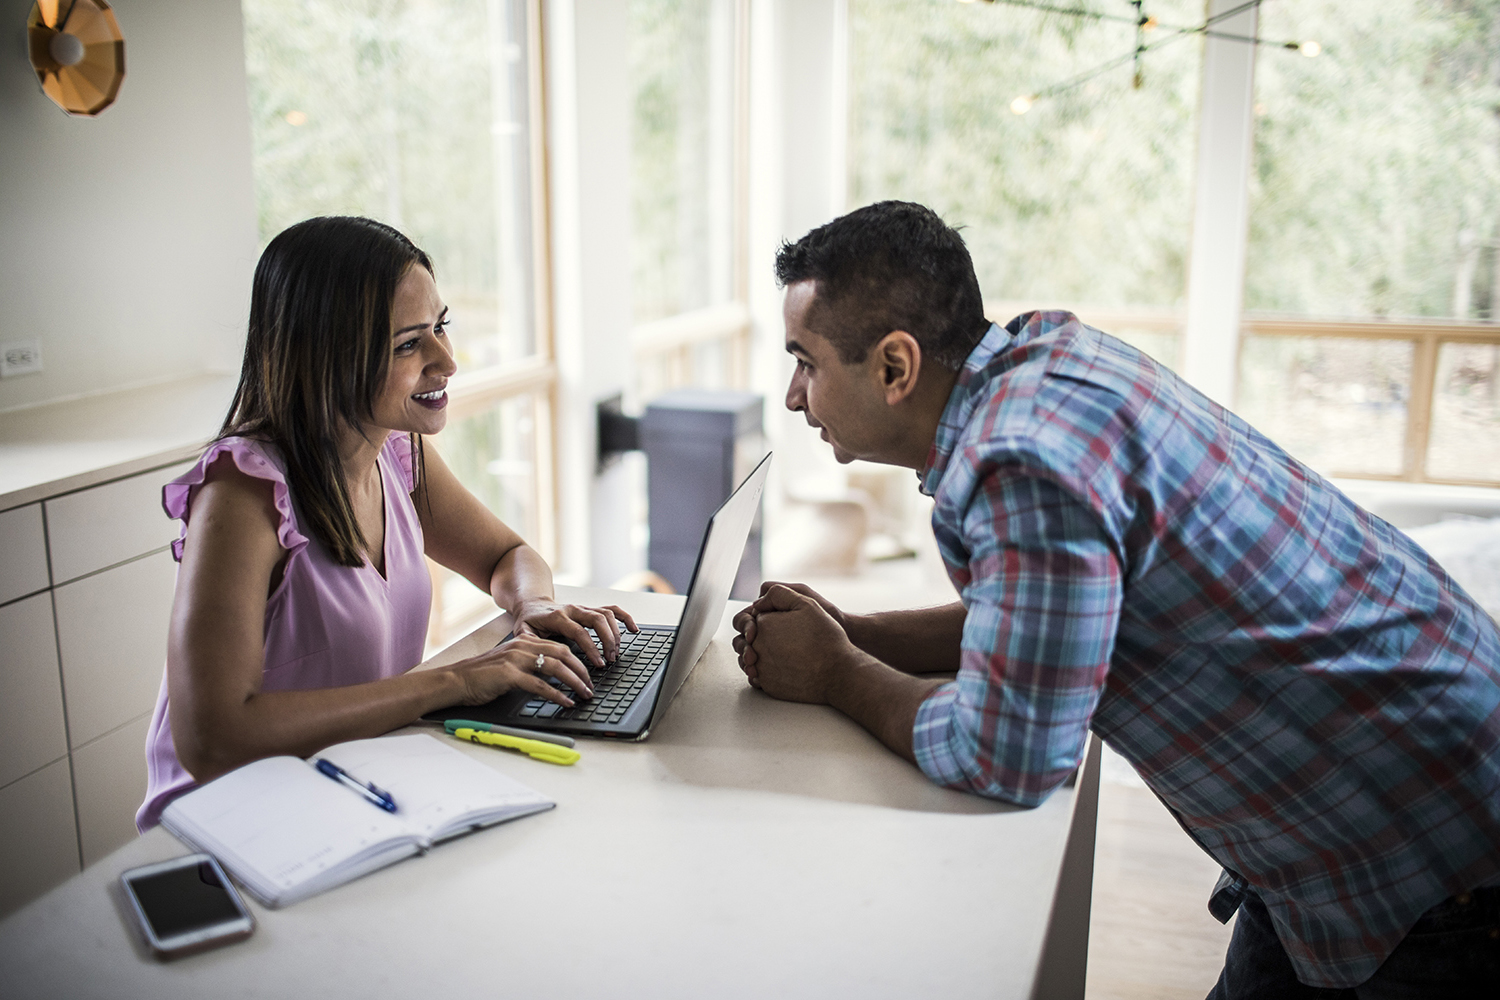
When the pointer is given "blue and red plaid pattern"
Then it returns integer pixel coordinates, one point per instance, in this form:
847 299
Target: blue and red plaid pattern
1312 696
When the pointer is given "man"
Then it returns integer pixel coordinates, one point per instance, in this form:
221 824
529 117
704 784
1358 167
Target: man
1306 690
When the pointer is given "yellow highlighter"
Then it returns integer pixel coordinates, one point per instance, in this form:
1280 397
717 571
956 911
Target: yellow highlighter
549 752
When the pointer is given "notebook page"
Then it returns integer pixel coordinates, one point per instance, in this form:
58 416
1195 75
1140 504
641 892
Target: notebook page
277 823
438 790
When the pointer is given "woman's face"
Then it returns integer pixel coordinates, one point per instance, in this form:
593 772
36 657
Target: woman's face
413 398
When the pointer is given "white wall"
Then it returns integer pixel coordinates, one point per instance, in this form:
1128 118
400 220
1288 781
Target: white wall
128 241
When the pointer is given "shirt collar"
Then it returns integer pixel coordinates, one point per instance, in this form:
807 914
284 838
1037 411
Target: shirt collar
962 400
974 385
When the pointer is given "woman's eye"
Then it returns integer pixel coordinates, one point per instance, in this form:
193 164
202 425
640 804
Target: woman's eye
441 328
408 346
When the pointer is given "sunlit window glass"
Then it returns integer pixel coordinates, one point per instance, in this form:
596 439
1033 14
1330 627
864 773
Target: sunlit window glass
495 455
413 112
1067 194
1376 187
1336 403
682 90
1465 441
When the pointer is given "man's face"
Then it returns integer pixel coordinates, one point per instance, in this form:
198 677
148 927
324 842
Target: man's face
846 400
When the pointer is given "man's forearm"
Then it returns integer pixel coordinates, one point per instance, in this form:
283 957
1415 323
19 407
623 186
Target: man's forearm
917 641
883 700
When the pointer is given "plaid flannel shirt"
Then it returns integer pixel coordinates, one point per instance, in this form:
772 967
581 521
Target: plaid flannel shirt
1311 695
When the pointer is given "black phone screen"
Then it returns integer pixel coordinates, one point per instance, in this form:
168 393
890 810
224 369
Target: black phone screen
184 899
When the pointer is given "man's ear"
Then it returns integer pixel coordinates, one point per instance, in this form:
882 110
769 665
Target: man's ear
899 357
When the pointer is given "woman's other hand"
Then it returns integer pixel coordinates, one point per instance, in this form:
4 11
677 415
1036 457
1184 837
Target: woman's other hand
523 662
539 617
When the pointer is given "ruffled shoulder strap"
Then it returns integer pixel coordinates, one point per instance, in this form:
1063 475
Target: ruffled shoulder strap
253 458
398 451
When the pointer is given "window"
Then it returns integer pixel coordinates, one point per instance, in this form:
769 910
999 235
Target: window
687 70
1376 194
1373 252
1081 200
423 114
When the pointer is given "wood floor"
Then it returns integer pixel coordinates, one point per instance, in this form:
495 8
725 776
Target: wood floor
1151 936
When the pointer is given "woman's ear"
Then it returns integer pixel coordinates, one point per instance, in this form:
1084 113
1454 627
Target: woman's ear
900 359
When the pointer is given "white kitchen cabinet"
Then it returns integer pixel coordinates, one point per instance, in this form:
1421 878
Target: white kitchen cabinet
38 835
109 524
23 552
86 582
109 776
32 731
112 640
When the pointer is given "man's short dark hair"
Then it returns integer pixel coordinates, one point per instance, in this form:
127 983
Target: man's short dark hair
889 266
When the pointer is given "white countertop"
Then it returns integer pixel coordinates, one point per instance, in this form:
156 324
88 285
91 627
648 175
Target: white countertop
59 447
750 848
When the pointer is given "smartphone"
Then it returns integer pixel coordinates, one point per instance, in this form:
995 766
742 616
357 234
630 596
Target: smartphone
186 905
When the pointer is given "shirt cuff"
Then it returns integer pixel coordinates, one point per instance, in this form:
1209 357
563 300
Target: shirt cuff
931 737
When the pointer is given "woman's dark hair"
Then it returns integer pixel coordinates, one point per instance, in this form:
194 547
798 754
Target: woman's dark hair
889 266
317 353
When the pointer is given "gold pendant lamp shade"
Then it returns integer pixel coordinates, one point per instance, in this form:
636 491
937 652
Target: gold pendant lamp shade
78 53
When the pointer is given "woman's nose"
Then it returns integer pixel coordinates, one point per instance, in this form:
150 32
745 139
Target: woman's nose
442 361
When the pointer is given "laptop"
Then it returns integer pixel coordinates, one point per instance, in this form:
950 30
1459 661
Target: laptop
632 694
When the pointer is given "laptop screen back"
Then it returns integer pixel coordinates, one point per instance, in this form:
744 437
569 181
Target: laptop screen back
713 578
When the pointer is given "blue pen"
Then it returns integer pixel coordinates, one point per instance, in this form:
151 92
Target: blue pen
374 795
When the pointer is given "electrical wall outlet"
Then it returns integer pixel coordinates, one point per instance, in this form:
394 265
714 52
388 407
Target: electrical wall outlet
20 357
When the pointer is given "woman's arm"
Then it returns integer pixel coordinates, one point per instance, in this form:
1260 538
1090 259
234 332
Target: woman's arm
462 534
215 650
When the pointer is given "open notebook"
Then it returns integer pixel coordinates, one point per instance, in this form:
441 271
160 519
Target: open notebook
286 832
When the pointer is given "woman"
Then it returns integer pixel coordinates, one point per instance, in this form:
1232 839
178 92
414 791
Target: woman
302 596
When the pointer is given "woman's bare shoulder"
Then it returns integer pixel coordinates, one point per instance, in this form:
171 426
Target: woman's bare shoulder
231 497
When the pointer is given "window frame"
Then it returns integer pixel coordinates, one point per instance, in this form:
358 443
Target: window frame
474 392
672 340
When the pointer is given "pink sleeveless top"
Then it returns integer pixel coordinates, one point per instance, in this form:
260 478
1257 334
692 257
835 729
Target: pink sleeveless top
327 625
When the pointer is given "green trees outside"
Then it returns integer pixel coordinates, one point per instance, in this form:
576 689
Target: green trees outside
1085 198
412 112
1377 164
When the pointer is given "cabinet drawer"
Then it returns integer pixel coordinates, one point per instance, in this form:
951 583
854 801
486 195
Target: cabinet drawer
23 552
109 778
108 524
38 839
112 640
31 707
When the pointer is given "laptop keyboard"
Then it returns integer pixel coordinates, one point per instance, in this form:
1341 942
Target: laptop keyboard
616 685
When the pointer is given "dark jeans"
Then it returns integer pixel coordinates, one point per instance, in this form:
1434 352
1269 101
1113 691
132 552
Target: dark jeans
1453 953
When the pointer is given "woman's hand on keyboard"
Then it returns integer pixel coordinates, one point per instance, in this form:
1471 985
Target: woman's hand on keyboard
540 617
524 662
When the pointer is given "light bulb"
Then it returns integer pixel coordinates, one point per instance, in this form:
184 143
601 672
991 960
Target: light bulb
1022 104
1310 49
66 49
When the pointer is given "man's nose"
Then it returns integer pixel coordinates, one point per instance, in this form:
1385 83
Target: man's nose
796 396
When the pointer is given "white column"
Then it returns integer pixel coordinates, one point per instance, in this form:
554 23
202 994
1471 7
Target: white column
588 130
1216 271
797 170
